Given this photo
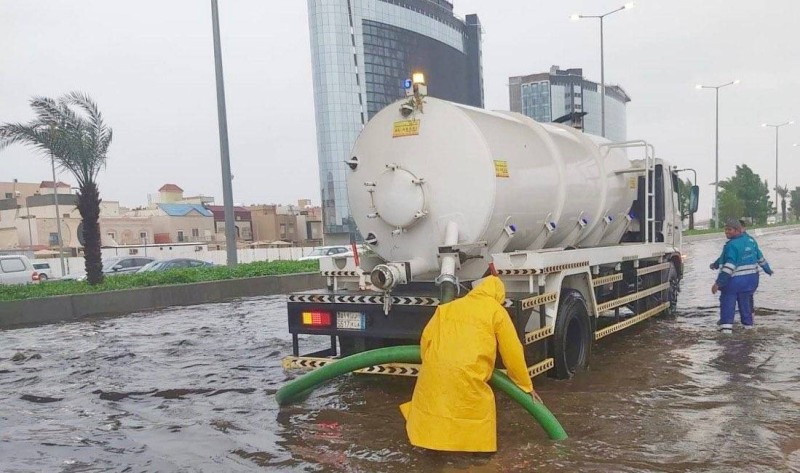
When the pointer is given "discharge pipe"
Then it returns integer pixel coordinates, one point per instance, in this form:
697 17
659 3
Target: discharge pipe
411 354
447 277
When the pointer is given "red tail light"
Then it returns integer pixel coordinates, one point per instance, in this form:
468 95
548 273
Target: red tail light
317 318
35 276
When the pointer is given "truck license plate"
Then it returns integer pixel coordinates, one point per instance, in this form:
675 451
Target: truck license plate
350 320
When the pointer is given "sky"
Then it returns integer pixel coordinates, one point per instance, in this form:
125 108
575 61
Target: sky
149 65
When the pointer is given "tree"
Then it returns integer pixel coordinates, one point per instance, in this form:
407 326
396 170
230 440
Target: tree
795 203
783 192
78 141
750 191
730 206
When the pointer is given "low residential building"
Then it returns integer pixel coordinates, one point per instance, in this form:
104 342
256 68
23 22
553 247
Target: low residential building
183 223
242 221
300 225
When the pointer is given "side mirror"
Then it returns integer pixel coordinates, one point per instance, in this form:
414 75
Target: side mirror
117 267
694 198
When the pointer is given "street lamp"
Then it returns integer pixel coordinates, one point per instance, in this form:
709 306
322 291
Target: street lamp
578 16
777 127
28 217
716 147
227 185
58 216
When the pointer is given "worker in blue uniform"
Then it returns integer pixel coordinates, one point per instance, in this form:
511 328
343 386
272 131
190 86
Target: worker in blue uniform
738 277
761 261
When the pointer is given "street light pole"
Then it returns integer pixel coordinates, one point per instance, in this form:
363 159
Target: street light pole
578 16
227 188
716 88
777 127
28 218
58 216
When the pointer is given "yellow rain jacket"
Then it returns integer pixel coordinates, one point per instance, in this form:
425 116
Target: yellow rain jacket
453 407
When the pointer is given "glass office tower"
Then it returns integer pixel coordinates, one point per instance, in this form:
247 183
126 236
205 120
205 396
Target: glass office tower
361 52
565 96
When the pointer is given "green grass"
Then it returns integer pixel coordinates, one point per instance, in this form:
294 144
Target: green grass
165 278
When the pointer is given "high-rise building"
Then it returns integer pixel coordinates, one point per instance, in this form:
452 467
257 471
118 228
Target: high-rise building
566 97
361 52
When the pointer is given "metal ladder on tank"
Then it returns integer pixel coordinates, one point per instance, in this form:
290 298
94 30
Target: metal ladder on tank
649 175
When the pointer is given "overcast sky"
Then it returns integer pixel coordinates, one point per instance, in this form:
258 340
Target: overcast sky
149 64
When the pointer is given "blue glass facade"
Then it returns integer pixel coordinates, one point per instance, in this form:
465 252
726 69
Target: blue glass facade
361 52
563 95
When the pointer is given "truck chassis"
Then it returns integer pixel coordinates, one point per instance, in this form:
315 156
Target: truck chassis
560 301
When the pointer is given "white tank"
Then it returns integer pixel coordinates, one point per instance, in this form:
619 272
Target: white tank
490 173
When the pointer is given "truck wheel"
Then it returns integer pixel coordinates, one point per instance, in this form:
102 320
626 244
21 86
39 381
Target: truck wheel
571 344
671 294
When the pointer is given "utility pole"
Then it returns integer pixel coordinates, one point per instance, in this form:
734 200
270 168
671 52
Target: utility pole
227 185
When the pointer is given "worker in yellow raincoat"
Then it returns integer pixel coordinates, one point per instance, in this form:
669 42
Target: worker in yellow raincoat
453 408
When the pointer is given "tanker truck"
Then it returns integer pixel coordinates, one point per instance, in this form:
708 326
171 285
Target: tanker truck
586 240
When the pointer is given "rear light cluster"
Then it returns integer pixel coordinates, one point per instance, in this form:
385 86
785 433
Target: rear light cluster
35 276
317 318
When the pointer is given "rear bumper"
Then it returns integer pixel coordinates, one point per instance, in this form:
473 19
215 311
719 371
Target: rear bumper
405 320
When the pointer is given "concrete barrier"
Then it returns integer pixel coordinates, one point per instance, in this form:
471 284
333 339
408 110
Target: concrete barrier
15 314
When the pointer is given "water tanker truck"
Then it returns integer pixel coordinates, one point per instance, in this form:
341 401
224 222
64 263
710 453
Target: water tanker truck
586 239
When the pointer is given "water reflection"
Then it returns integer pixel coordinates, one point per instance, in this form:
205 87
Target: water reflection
192 389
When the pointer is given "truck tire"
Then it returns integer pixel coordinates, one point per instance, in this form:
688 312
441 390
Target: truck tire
571 345
671 294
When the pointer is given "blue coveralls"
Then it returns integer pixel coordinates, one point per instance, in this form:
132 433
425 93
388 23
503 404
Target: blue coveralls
738 278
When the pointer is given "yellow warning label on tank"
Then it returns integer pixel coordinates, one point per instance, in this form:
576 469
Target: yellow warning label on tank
500 168
405 128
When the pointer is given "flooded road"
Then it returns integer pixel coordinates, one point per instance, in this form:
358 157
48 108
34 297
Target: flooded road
192 389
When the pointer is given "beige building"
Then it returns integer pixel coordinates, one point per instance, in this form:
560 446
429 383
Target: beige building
300 225
28 215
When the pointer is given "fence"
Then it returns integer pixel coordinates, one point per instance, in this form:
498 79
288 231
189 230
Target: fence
76 266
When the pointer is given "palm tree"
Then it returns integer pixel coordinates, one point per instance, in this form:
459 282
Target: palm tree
783 192
78 141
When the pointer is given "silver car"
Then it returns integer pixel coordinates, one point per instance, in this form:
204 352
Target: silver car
125 264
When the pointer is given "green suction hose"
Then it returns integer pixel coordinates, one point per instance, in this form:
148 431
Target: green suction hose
410 354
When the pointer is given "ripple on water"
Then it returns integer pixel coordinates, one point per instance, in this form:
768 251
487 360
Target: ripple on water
193 388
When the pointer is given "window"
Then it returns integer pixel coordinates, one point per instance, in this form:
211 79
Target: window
9 195
12 265
143 236
53 239
112 235
195 233
180 236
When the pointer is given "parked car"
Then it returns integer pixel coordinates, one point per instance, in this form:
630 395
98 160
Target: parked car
323 251
125 264
44 271
174 263
17 269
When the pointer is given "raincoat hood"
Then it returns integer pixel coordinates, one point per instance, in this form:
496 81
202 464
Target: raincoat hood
490 286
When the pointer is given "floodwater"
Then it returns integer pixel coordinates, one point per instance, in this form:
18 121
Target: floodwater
192 389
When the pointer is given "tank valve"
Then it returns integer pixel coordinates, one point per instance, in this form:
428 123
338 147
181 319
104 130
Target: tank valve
387 276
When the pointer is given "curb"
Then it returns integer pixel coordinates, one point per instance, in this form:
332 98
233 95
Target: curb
47 310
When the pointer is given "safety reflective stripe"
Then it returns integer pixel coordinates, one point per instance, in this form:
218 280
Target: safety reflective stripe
727 270
746 272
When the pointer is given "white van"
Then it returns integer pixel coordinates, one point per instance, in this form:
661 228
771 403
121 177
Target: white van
44 271
17 269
